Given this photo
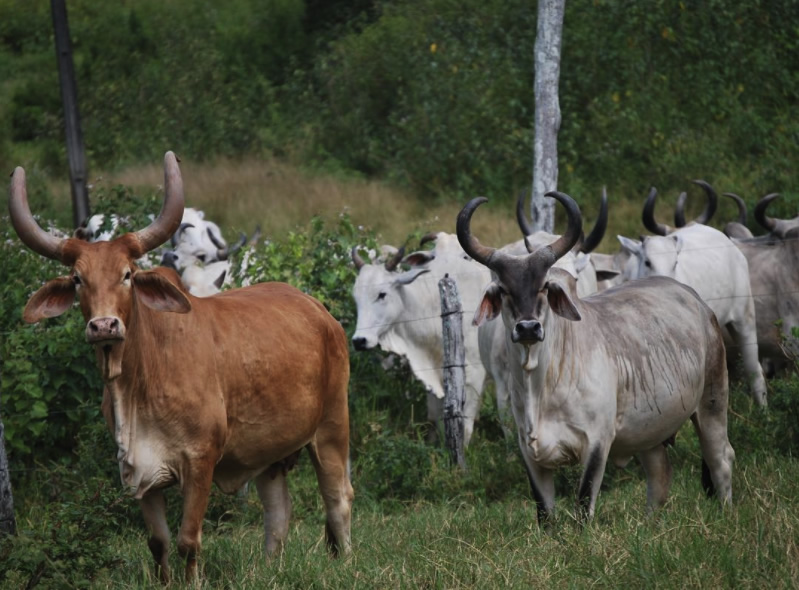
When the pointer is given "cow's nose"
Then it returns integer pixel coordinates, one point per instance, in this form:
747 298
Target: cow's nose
102 329
528 332
359 342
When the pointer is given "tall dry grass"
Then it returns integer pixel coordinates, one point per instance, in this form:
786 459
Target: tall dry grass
242 193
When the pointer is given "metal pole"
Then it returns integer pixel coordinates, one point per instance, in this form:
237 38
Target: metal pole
69 97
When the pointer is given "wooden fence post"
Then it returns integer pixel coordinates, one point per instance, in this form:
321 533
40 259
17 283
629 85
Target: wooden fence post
76 153
454 363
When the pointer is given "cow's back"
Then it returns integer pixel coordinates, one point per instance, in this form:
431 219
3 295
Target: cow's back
665 347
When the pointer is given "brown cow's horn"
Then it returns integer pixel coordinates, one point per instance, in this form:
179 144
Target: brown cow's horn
33 236
569 238
596 235
648 216
168 220
469 243
712 202
741 207
356 258
521 217
679 210
393 262
764 220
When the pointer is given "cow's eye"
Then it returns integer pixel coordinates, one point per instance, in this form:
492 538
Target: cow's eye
381 295
76 279
201 257
127 276
647 263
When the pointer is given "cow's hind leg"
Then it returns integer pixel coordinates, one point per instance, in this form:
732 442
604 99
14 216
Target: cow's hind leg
745 335
330 458
274 494
153 508
710 422
657 468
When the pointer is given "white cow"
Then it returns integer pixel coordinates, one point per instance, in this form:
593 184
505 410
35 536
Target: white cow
401 312
608 376
706 260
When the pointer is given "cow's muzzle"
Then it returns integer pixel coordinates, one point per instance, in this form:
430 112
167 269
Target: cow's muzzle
102 330
527 332
360 343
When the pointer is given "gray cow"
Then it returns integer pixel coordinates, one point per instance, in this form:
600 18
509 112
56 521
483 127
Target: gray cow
606 377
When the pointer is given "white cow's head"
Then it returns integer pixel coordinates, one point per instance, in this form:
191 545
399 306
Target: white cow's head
379 297
652 256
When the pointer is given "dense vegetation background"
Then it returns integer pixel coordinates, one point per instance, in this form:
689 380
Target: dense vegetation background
434 96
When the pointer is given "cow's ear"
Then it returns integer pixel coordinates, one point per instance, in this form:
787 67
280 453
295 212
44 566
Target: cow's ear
490 305
158 293
630 245
51 300
561 302
606 275
419 258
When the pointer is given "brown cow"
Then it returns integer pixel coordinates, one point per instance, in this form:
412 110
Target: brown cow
225 389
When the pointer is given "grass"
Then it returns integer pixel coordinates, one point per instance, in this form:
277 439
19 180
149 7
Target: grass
465 543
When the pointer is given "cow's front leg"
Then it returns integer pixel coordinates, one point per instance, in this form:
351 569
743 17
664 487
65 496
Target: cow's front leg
153 508
590 481
196 489
542 485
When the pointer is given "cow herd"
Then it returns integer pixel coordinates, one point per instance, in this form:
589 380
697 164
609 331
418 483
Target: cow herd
594 357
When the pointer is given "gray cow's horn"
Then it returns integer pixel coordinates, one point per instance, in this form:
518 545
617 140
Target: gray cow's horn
648 216
596 235
710 207
764 220
741 207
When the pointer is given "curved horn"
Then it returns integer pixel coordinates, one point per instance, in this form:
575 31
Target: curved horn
524 224
469 243
430 237
679 210
169 218
33 236
393 262
569 238
356 258
176 236
596 235
648 216
712 202
223 252
764 220
741 207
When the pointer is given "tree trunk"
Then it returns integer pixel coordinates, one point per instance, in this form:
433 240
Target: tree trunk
547 111
8 523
